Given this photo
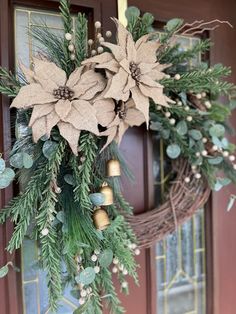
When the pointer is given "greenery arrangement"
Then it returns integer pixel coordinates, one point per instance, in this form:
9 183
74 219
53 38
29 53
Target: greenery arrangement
80 92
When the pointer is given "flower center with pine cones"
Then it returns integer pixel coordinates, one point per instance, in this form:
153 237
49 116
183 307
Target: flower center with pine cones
63 92
135 71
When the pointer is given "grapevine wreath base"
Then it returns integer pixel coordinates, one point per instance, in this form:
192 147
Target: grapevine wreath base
73 104
182 201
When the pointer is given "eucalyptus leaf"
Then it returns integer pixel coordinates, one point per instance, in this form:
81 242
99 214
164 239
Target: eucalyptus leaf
49 147
220 183
216 141
173 151
132 13
165 134
191 142
69 179
2 165
215 161
6 178
61 216
4 271
16 161
27 161
174 24
195 134
217 130
183 97
182 127
86 277
148 18
97 199
156 126
105 258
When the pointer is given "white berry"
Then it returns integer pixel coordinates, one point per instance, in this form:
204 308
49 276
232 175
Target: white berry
203 94
207 104
115 261
225 153
199 96
89 290
204 140
172 121
234 166
81 301
204 153
189 118
97 24
45 231
179 103
96 269
177 76
100 49
71 47
83 293
167 76
193 167
214 148
99 35
90 42
187 179
114 270
159 107
198 154
124 284
108 34
167 114
97 252
232 158
94 258
137 252
198 175
121 267
186 108
101 40
93 52
125 272
68 36
72 57
133 246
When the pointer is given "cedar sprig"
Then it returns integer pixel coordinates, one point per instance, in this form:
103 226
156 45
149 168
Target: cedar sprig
81 38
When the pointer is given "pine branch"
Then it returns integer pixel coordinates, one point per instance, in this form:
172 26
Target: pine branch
84 173
9 85
65 14
81 38
111 299
200 80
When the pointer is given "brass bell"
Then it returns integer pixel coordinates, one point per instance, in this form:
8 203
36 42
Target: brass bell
100 219
113 168
106 190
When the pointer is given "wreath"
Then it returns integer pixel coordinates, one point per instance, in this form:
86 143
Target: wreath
74 104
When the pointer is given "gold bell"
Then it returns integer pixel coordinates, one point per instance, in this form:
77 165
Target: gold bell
106 190
100 219
113 168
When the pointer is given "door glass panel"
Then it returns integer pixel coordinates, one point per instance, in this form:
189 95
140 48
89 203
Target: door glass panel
180 257
34 285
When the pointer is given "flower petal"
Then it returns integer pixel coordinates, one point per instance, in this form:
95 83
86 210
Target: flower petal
75 77
123 127
156 93
105 111
100 59
30 95
122 33
48 74
28 74
147 80
147 52
118 83
40 111
39 128
71 134
62 108
111 134
156 75
83 116
141 102
117 51
134 117
130 84
52 119
111 65
146 67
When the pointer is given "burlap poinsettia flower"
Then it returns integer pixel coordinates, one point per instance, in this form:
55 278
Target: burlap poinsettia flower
135 69
59 101
117 119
